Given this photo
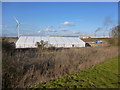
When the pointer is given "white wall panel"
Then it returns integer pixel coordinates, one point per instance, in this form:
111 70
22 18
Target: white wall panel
30 41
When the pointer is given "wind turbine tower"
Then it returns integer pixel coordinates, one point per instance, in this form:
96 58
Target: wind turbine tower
18 26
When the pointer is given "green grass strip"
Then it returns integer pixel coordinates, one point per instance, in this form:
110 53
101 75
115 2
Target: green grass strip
104 75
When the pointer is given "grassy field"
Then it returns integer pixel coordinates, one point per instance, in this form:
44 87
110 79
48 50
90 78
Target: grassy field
104 75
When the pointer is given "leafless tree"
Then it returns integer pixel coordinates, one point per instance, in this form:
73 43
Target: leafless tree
115 32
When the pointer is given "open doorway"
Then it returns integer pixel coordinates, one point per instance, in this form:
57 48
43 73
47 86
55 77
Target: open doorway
73 45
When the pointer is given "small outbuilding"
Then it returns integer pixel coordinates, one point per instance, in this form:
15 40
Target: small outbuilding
32 42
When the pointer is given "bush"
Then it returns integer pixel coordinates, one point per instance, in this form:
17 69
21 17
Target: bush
27 68
114 41
6 45
115 36
115 33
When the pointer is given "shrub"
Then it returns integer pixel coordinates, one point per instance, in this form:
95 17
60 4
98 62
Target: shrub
115 36
6 45
27 68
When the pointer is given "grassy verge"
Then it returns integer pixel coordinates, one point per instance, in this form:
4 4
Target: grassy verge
104 75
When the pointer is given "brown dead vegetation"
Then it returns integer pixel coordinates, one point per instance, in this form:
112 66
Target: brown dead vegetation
27 68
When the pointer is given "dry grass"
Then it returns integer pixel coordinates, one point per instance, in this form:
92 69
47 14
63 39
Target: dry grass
27 68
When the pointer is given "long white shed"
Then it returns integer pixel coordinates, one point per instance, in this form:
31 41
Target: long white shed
66 42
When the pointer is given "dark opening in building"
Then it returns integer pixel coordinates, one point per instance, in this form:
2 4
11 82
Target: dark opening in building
72 45
87 45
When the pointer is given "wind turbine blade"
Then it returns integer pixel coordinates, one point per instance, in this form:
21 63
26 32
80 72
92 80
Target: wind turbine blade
16 20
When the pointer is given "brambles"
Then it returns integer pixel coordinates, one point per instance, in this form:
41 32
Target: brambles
6 45
29 67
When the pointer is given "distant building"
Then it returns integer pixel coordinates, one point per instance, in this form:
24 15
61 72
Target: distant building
99 36
66 42
84 37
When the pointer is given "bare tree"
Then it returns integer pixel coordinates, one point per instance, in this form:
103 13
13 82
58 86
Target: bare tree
115 35
115 32
98 29
107 23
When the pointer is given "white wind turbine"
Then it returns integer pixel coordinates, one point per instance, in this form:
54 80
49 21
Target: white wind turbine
18 26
